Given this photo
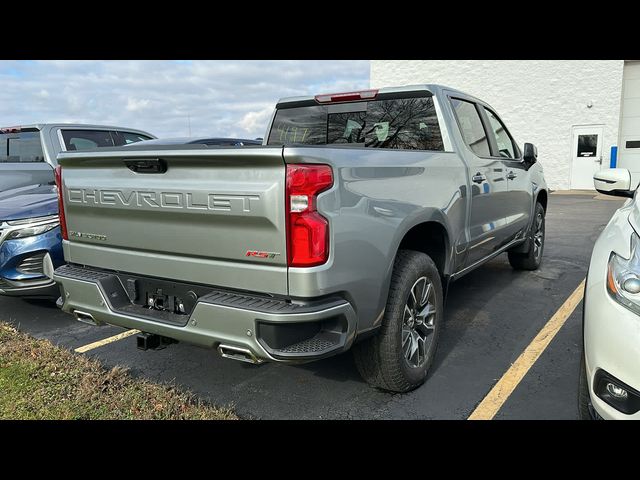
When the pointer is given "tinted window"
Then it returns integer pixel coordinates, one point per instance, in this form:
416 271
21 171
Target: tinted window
86 139
22 147
587 145
306 125
504 141
471 127
125 138
222 143
409 124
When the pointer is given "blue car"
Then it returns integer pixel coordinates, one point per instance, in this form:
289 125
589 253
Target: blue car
30 240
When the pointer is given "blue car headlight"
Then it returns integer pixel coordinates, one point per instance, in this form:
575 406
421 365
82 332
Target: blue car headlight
623 277
31 226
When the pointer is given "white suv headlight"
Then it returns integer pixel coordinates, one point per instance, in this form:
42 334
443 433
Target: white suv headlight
623 277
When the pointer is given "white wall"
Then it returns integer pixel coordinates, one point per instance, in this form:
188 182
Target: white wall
539 100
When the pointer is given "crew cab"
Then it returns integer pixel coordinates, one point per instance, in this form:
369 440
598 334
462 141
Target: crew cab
342 230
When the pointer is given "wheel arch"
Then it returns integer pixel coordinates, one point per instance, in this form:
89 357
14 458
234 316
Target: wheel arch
542 198
430 237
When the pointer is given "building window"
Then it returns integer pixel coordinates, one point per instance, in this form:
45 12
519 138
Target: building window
587 145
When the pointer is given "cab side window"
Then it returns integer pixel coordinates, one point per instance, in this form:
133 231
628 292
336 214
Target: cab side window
125 138
506 145
471 127
86 139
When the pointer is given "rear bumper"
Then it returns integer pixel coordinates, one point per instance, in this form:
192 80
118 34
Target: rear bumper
269 329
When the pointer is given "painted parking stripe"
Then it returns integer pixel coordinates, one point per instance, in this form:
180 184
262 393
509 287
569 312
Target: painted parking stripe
499 394
106 341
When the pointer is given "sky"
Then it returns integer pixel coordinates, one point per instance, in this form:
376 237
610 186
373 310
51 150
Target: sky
233 98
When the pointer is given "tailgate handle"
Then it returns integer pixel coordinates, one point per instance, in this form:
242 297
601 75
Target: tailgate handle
147 166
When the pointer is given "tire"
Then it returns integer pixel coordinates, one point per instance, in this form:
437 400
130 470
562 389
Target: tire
584 400
531 260
382 359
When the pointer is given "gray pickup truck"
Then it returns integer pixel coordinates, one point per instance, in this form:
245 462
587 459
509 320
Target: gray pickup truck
342 230
28 152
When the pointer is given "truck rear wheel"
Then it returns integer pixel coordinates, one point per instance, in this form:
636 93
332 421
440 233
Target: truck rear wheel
531 259
400 355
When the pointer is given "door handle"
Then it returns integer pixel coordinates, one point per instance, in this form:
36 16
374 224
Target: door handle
511 176
147 166
478 178
599 160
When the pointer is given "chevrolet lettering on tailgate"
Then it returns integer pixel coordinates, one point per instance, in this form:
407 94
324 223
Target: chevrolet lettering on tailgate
149 199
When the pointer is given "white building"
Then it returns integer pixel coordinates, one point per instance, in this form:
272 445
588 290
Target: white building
574 111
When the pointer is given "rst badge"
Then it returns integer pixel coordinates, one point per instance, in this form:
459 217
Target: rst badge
90 236
261 254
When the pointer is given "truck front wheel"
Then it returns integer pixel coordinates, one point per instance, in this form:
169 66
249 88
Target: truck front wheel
531 259
400 355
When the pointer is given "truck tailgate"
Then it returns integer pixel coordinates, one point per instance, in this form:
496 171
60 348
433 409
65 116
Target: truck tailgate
208 216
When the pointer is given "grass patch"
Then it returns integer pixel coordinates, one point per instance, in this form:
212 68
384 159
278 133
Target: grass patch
41 381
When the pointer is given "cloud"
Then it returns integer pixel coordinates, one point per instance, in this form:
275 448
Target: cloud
252 121
135 104
218 98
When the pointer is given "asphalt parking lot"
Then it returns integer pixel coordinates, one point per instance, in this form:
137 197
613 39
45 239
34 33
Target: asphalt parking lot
492 315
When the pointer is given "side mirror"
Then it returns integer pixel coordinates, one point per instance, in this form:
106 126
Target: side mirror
614 181
530 154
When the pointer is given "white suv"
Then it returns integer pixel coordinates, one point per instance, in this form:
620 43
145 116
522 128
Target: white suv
610 369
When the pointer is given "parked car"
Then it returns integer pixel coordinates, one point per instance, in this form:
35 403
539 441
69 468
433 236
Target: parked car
212 141
609 384
30 239
343 230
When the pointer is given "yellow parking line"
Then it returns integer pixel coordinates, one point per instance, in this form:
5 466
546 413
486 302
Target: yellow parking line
106 341
499 394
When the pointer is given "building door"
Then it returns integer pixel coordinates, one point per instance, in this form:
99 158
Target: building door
629 145
586 154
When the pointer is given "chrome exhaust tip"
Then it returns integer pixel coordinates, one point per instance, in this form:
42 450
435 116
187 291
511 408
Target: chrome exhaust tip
239 353
87 318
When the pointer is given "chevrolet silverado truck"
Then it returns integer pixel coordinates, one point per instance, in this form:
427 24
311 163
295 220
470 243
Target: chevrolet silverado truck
342 231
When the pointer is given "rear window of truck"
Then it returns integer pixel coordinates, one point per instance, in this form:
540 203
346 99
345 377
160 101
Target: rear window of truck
405 123
87 139
21 147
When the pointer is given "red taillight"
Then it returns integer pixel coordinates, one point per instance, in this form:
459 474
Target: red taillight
307 230
347 96
63 220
